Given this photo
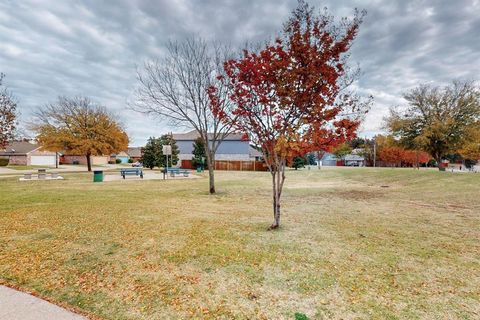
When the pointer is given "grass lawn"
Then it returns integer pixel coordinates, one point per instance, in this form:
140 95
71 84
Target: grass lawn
355 244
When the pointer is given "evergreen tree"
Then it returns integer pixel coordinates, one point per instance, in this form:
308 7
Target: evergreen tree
167 139
298 162
151 153
198 153
311 159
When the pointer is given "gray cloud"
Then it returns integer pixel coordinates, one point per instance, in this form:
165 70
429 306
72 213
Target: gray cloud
51 48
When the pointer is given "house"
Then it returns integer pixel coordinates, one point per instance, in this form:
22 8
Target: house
350 160
122 156
135 153
354 160
82 159
233 147
28 154
329 160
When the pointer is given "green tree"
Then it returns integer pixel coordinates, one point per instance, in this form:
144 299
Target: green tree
311 161
151 153
342 150
438 120
298 162
165 140
199 156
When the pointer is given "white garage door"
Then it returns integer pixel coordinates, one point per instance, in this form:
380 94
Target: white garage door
42 160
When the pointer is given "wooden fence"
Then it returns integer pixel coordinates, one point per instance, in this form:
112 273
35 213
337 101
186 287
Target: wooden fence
231 165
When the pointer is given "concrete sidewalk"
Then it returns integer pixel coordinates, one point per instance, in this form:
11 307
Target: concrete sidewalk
22 306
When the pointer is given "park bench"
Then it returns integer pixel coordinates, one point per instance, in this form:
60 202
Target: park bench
131 171
174 171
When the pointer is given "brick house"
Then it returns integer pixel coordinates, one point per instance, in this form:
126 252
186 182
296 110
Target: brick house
28 154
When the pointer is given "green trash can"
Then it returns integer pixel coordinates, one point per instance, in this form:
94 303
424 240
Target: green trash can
199 169
97 176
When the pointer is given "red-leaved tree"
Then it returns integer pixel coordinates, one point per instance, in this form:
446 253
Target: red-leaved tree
291 97
415 158
392 155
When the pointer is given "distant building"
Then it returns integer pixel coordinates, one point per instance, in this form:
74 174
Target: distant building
28 154
354 160
350 160
135 153
122 156
82 159
233 147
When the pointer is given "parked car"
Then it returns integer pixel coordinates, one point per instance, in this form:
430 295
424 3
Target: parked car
137 164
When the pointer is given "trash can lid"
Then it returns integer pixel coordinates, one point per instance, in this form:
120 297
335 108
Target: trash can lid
97 171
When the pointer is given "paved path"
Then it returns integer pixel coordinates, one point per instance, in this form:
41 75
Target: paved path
16 305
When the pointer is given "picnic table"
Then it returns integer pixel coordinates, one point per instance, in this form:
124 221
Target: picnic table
131 171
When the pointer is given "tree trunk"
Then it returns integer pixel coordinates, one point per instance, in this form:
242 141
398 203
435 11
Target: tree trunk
278 178
211 170
89 164
211 177
438 158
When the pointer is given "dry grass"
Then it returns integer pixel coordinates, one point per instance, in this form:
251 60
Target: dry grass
355 243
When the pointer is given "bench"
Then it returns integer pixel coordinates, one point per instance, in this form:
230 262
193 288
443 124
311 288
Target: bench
131 171
174 171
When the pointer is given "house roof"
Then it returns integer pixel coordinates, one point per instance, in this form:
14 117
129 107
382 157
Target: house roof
328 156
353 157
134 151
192 135
254 152
19 148
122 154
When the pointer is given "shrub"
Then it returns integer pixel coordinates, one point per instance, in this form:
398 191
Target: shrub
130 160
300 316
111 162
4 162
117 161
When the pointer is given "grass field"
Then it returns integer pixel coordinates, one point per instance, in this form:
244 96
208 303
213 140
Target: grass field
355 244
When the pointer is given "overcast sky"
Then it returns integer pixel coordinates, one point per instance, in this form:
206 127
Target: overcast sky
52 48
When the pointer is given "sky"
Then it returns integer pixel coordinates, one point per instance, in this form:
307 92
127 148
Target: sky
51 48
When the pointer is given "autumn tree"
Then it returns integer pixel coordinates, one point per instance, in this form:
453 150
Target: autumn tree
392 155
437 119
470 149
415 158
8 114
79 126
175 89
291 96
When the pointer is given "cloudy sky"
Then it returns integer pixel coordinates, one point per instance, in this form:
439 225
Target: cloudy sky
54 47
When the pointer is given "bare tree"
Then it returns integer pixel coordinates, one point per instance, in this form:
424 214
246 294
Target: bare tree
8 115
175 89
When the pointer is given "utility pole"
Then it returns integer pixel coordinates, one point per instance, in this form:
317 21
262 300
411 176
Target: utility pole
374 153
